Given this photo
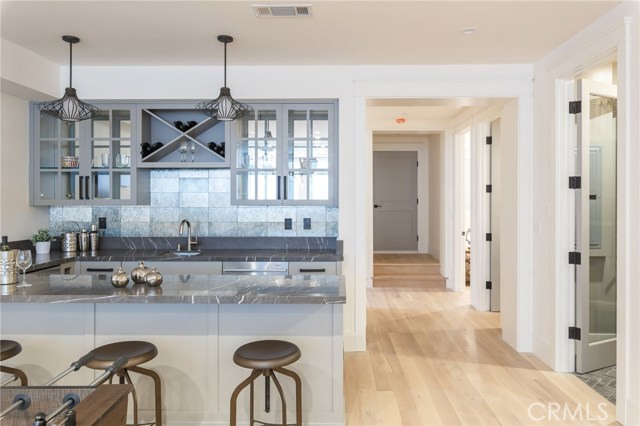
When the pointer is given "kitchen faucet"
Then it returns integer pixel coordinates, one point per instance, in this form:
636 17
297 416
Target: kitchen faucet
189 242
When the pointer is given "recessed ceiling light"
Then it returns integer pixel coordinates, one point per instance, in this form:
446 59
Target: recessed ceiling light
469 31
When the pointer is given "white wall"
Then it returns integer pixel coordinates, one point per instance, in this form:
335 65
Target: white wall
610 37
434 193
17 219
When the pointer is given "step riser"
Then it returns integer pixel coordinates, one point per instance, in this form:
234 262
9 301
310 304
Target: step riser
416 269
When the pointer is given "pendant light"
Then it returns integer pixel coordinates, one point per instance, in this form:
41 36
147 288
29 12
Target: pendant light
224 107
69 107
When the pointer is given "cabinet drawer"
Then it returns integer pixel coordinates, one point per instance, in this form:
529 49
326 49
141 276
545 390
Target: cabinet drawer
312 268
99 267
177 268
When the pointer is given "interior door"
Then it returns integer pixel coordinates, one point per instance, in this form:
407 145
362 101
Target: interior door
494 216
596 226
395 201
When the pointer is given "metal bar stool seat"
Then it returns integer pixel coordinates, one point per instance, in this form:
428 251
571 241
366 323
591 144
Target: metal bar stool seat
137 352
9 349
265 357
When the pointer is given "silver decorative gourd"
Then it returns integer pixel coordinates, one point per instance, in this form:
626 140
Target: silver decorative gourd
139 272
119 279
153 278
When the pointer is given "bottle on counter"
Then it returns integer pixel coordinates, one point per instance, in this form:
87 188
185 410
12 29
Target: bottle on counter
4 246
84 240
8 267
94 237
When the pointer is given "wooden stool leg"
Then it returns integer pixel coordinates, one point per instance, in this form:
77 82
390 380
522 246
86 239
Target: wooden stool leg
18 373
234 396
296 378
157 390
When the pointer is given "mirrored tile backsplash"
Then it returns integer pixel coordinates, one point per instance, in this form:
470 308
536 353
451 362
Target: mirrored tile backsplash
202 197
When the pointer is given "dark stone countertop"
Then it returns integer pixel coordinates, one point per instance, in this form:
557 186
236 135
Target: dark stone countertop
183 289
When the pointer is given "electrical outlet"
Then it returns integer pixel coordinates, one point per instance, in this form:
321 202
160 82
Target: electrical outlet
306 223
288 223
102 223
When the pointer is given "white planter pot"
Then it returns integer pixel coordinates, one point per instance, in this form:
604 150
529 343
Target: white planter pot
43 247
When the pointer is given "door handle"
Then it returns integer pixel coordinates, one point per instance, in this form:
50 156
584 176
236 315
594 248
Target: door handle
376 206
80 179
279 187
86 187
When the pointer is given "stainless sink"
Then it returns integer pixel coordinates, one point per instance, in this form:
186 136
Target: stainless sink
186 252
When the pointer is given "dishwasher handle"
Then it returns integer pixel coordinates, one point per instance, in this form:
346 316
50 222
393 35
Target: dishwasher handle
254 270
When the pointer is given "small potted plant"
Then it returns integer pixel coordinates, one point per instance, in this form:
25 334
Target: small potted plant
42 241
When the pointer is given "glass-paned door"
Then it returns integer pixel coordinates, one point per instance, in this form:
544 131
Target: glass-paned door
596 226
257 177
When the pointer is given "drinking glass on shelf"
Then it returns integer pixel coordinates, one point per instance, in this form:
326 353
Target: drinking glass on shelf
192 149
184 147
24 261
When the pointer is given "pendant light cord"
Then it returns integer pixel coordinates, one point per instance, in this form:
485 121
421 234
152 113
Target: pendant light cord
70 63
225 64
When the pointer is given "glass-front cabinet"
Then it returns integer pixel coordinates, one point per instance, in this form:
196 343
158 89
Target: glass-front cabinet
87 162
285 154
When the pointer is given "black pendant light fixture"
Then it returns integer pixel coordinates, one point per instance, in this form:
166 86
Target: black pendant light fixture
224 107
69 107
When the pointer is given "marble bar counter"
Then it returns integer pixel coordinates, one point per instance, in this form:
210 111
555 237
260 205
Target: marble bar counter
196 322
191 289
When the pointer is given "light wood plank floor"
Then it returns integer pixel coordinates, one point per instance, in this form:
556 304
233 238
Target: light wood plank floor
432 360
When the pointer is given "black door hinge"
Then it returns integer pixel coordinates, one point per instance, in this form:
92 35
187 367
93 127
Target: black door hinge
417 164
575 182
489 236
575 107
489 140
417 237
417 201
488 285
575 258
575 333
489 189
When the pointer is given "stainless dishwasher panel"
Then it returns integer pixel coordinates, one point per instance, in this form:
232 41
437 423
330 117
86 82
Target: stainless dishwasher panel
255 268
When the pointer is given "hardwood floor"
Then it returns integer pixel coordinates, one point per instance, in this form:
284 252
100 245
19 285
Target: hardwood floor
432 360
407 270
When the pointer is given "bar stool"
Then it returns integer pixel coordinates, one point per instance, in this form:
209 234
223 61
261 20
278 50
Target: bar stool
266 357
138 352
9 349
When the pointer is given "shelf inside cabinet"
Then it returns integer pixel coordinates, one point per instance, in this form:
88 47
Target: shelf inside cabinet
180 138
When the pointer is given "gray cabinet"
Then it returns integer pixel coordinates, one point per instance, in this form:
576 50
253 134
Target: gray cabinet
177 135
285 154
94 267
178 267
88 162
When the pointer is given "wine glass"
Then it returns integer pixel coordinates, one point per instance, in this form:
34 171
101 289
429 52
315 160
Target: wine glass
23 261
184 147
192 149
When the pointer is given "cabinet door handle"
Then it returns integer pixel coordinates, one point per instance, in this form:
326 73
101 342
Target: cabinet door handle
285 187
86 187
279 187
99 269
313 270
80 187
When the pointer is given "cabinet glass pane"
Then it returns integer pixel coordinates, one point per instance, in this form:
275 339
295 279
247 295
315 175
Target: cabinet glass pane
48 185
121 124
319 124
70 186
48 126
266 158
100 125
246 154
319 154
100 154
297 124
297 186
122 153
69 154
297 155
121 186
266 127
252 185
69 130
48 155
101 185
319 186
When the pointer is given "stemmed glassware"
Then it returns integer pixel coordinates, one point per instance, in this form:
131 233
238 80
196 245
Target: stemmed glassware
184 147
192 149
24 261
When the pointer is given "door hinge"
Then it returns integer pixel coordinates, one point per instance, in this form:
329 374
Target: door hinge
489 189
417 237
489 236
489 140
575 182
488 285
575 107
575 333
575 258
417 164
417 201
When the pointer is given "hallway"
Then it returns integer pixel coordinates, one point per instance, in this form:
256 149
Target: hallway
433 360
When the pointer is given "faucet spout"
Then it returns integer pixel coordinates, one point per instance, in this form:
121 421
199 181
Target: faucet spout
181 229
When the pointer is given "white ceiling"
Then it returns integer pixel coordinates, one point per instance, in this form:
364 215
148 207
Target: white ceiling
160 32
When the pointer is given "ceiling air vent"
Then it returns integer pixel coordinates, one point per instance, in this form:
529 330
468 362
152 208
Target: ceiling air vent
280 11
